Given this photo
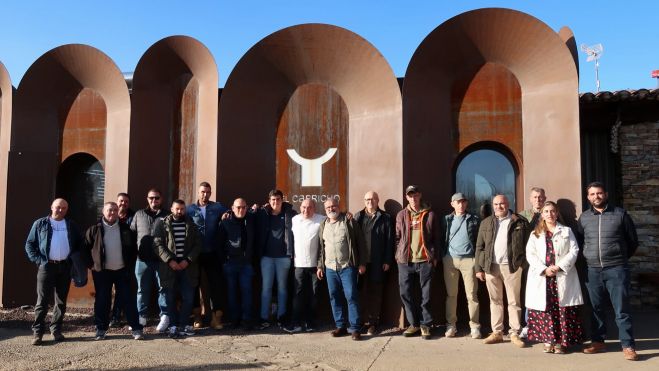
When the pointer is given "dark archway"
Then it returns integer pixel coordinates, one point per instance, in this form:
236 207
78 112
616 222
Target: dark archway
80 181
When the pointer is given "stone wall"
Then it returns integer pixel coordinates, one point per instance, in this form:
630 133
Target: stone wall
639 154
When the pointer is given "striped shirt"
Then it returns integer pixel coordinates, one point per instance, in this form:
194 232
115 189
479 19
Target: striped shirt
178 230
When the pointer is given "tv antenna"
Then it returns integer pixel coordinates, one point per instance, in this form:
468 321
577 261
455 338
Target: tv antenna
594 53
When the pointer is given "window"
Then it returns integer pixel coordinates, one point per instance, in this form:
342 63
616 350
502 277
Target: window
483 173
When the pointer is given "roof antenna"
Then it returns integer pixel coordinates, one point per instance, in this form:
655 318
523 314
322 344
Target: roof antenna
594 53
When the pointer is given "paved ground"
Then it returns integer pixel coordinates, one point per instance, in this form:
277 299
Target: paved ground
275 350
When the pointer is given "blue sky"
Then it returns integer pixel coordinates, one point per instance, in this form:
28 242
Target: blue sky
124 30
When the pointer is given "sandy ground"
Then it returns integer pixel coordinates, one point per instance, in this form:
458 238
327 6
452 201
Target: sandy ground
273 349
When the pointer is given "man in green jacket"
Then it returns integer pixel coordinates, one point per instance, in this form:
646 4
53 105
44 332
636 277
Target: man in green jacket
178 244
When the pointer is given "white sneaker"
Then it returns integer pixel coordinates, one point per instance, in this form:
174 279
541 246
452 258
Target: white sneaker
476 333
450 331
142 321
163 324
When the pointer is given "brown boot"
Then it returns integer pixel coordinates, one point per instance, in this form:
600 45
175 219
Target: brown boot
197 322
216 320
595 347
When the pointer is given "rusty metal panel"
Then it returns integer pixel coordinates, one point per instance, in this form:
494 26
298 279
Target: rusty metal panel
187 139
84 125
315 126
488 107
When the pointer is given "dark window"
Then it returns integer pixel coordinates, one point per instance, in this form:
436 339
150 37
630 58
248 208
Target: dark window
81 182
482 174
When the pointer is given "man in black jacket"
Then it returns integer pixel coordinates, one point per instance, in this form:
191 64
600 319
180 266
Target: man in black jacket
111 250
609 241
236 236
378 232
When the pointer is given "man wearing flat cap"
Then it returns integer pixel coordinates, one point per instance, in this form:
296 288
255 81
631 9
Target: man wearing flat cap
460 229
417 240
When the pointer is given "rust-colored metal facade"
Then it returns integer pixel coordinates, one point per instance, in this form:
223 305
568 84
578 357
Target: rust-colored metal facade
485 77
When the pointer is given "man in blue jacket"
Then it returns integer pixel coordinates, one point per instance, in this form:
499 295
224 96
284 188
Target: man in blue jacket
205 214
609 241
50 244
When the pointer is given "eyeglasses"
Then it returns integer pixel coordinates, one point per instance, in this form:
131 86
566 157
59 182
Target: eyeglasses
154 198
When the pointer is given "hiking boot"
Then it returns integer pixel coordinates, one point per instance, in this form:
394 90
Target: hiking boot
197 321
595 347
411 331
516 341
339 332
216 320
630 354
138 334
188 330
494 338
100 335
37 339
476 333
163 324
451 331
57 336
425 332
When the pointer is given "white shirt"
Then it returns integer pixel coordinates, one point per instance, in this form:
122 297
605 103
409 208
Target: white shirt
305 234
501 240
59 243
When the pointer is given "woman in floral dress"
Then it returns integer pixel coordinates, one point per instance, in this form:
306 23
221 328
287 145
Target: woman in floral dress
553 292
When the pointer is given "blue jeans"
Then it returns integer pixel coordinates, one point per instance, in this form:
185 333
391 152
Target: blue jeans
182 285
271 268
610 283
103 282
342 286
239 276
147 275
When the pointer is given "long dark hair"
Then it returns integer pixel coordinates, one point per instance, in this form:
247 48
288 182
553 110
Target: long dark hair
541 227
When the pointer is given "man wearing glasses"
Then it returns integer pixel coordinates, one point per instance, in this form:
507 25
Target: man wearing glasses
146 267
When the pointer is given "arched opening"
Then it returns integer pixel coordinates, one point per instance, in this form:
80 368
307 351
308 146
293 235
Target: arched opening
313 126
81 181
484 171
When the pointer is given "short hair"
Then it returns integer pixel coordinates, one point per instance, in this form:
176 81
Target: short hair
154 190
110 203
311 200
205 184
595 184
276 192
538 190
123 194
179 202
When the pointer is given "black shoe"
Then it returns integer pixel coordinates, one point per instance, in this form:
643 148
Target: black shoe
293 329
263 325
115 323
339 332
37 339
57 336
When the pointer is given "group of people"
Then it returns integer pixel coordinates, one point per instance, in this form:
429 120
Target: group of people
170 250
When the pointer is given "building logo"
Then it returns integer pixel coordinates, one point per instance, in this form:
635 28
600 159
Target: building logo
312 169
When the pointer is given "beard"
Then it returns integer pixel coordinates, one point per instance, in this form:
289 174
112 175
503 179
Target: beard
332 215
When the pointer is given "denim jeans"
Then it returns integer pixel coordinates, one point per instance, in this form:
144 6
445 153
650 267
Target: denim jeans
610 283
239 277
103 282
271 268
342 286
147 275
407 273
183 287
52 280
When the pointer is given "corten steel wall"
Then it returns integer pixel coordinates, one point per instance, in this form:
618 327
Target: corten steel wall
173 120
544 68
303 77
6 93
546 72
56 113
260 88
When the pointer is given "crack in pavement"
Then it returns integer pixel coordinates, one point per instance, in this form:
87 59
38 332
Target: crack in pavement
382 349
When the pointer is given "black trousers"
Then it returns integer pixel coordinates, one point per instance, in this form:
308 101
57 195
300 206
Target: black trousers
210 265
305 298
103 282
53 282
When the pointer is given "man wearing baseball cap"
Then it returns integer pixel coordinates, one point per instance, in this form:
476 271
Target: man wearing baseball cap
417 236
460 229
